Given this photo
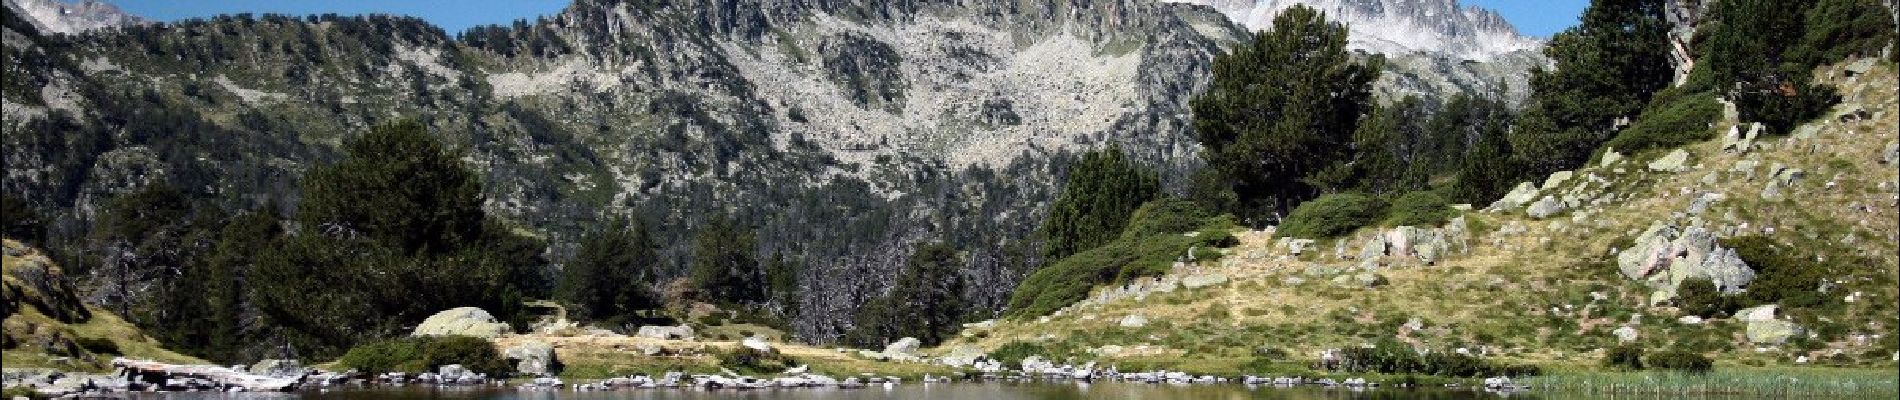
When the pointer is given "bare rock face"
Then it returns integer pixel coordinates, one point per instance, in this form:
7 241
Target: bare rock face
56 16
1398 26
462 321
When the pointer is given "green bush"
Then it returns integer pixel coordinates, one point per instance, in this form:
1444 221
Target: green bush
1391 357
425 354
1069 280
1627 357
98 345
1680 360
1332 215
1165 216
1419 208
1673 121
1012 354
748 360
1783 274
1700 297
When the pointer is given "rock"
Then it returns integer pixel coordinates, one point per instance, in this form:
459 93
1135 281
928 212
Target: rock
984 324
1203 280
1691 253
1780 178
1371 251
1369 280
961 356
1518 196
464 321
755 343
1702 202
1806 132
453 372
906 346
1771 332
1610 156
1296 246
1557 178
1675 161
1134 321
681 332
1689 320
276 368
1626 334
1891 154
1545 207
531 358
1757 313
649 349
1739 141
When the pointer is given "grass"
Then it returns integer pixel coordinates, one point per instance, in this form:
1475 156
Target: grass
1750 381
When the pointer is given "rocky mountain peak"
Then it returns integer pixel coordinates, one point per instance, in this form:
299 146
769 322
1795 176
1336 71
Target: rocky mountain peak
57 16
1397 27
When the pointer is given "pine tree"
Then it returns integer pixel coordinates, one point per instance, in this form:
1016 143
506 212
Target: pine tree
724 268
1606 68
926 301
1281 108
1103 187
398 186
612 274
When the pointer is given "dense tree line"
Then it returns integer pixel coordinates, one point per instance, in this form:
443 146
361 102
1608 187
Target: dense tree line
925 302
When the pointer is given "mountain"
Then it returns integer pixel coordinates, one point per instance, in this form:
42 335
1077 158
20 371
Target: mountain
56 16
1398 27
844 132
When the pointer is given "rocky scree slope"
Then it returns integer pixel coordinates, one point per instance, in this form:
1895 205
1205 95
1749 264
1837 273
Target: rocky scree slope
1559 270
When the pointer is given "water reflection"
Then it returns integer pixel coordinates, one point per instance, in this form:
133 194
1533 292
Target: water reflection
958 391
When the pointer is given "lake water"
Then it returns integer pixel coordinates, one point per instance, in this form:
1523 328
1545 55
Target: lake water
956 391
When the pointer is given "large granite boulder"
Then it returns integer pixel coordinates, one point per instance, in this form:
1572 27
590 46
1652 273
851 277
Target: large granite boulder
1675 161
681 332
905 347
1772 332
1546 207
1517 197
463 321
531 358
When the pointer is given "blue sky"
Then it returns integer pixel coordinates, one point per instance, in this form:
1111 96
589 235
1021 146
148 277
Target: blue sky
1539 18
1532 17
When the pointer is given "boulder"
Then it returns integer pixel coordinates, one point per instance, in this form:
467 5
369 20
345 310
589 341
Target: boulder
1675 161
1689 320
906 346
681 332
1134 321
453 372
961 356
1757 313
1626 334
1369 280
1610 157
1702 202
464 321
1740 141
649 349
1771 332
1891 154
531 358
1518 197
755 343
1557 178
279 368
1546 207
1683 254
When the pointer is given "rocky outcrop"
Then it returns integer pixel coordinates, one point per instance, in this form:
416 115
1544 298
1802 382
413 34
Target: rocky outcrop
902 349
1398 27
276 368
1520 195
32 280
1664 255
56 16
1426 245
531 358
463 321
